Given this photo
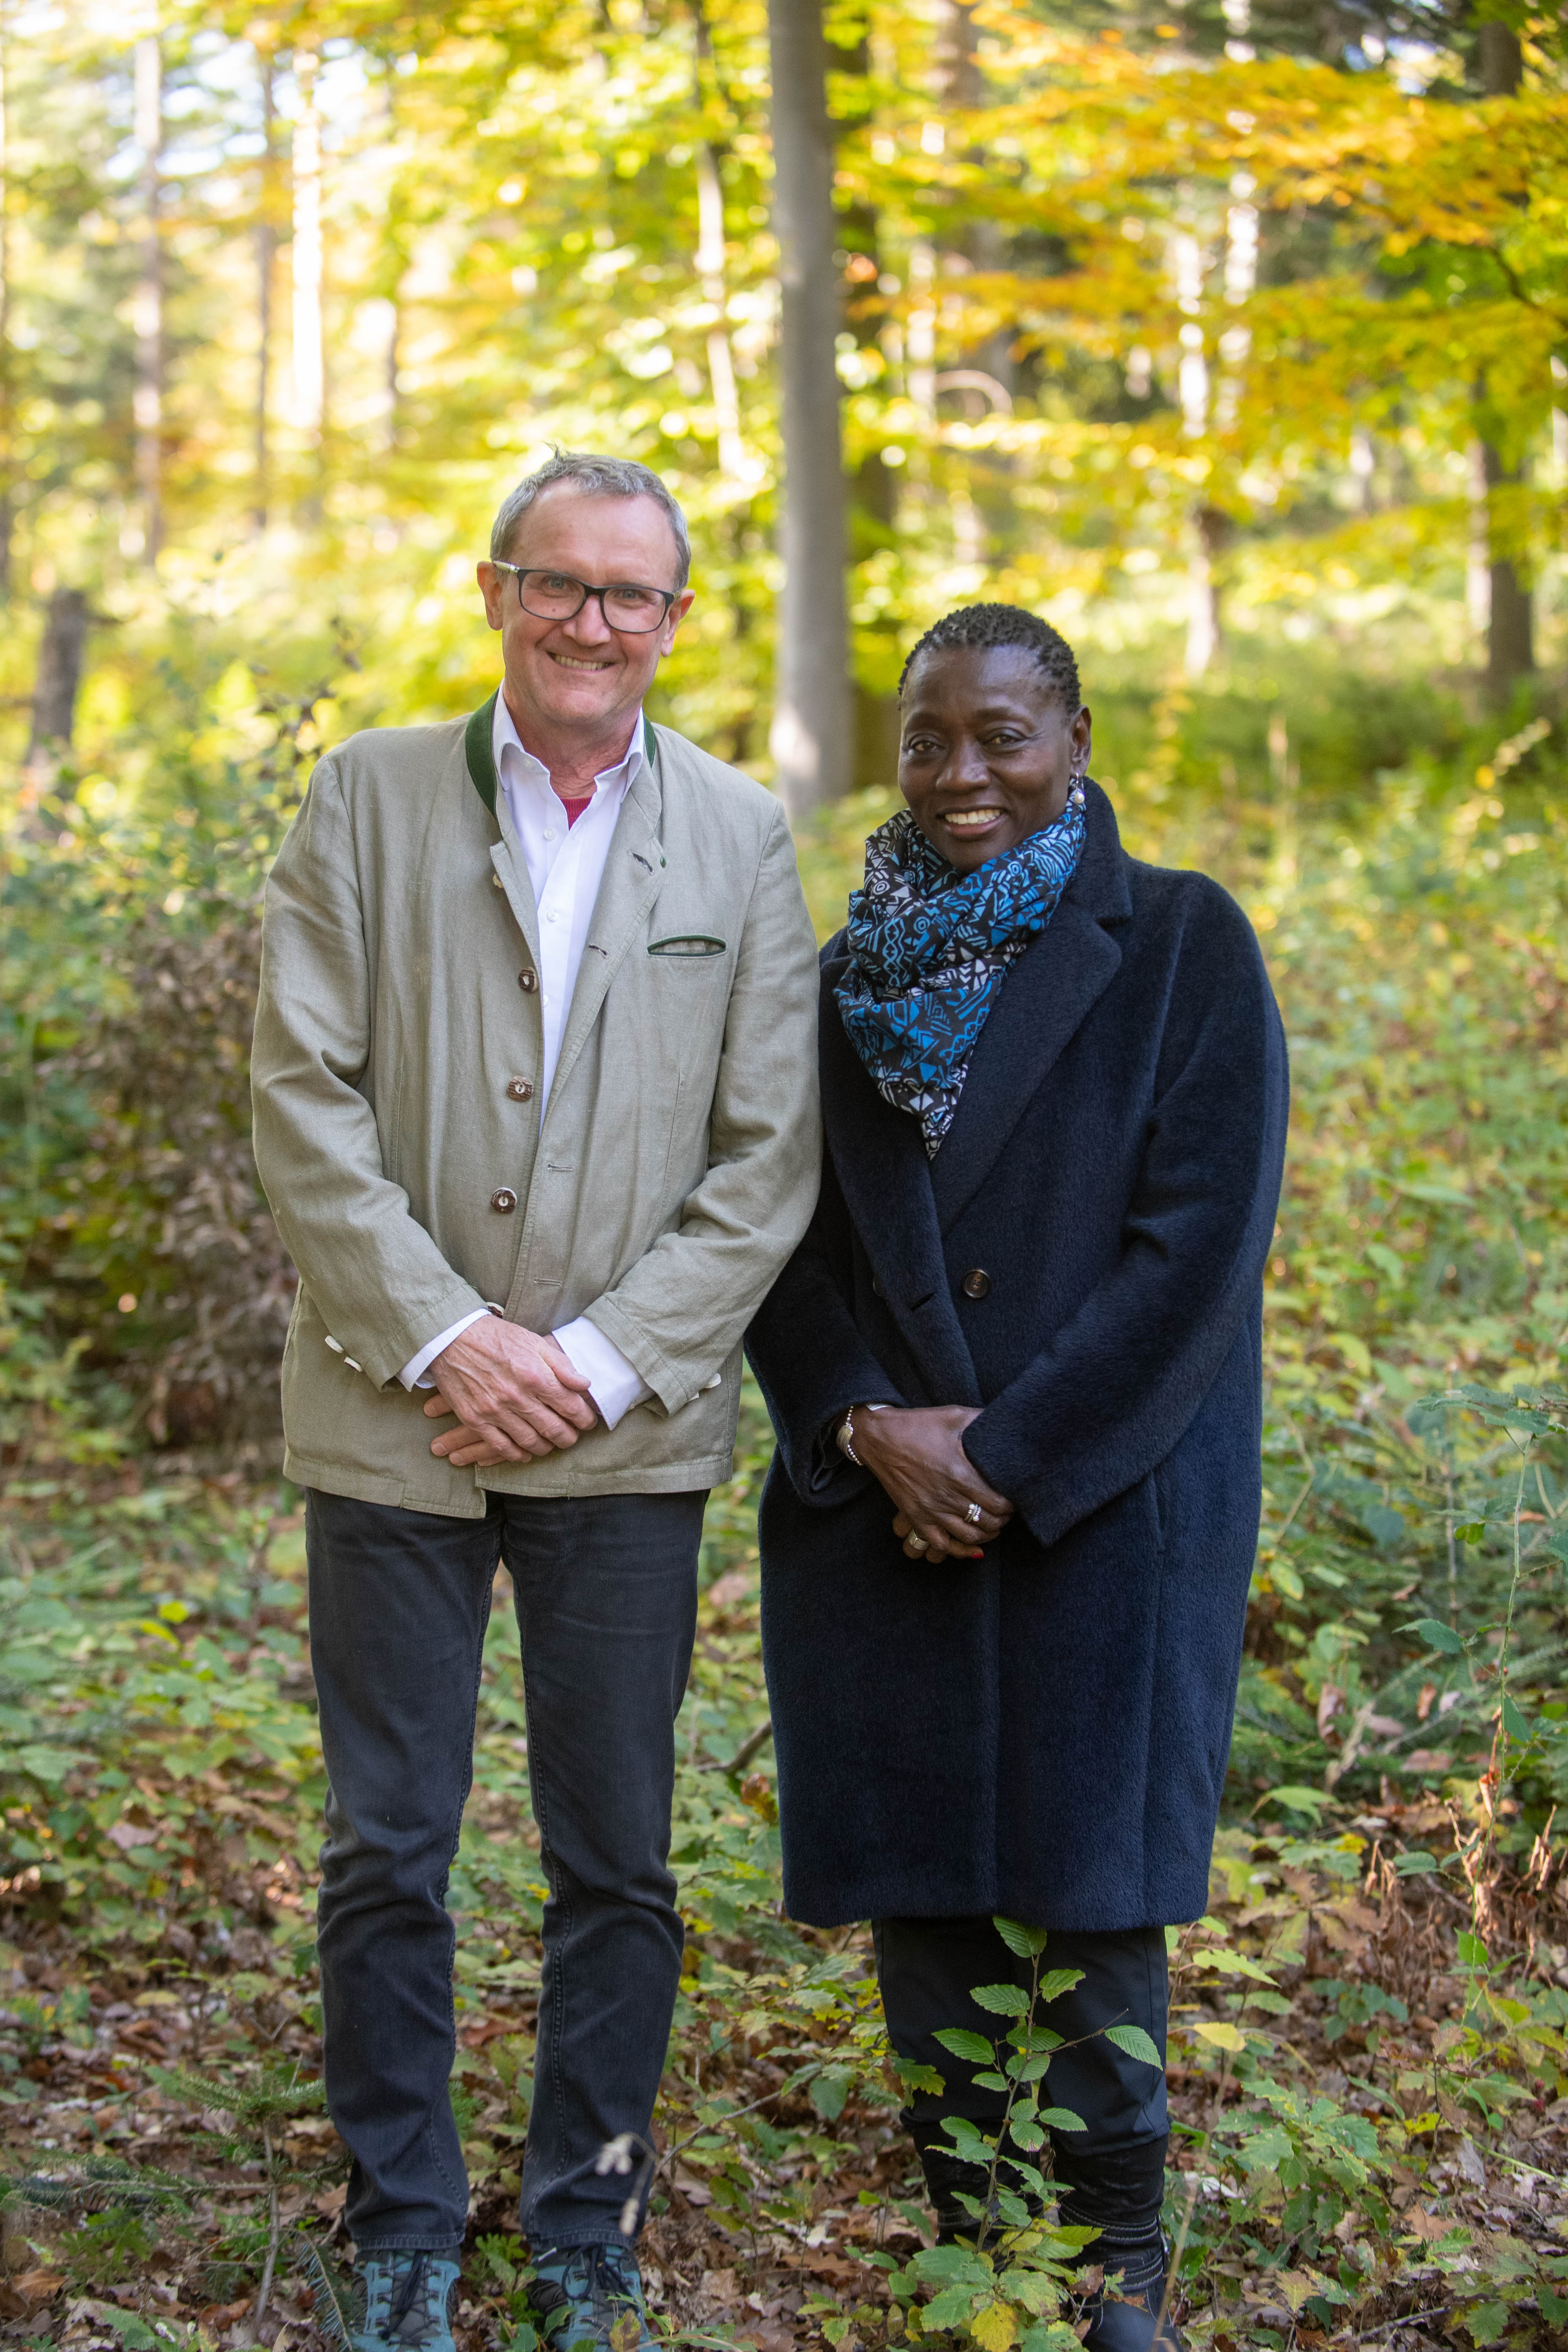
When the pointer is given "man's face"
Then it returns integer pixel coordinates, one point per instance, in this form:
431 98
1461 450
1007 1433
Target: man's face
582 675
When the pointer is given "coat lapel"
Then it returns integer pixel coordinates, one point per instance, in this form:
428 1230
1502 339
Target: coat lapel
1045 1000
634 875
881 1162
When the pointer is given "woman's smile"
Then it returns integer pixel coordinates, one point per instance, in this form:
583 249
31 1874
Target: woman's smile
972 820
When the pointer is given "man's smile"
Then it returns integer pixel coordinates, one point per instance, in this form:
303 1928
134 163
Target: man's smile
570 661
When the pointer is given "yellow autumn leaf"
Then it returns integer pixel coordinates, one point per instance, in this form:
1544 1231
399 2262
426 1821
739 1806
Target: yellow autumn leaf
1294 2287
1223 2037
994 2327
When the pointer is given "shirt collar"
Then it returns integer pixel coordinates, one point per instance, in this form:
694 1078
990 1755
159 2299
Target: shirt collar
504 735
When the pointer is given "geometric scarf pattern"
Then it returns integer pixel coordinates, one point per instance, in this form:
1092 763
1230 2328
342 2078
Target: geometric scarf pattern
930 947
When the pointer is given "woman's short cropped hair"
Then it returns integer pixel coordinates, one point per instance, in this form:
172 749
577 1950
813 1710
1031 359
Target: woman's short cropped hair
1004 625
598 477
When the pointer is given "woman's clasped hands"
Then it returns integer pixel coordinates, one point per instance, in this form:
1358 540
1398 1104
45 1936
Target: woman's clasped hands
945 1506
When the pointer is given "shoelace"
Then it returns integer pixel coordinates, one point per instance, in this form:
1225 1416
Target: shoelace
593 2274
414 2279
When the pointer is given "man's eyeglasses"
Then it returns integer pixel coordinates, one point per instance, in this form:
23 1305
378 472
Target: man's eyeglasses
556 596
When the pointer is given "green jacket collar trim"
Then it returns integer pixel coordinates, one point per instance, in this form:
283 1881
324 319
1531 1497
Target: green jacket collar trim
478 740
478 746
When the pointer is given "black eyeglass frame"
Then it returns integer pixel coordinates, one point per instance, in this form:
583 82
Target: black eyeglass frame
520 572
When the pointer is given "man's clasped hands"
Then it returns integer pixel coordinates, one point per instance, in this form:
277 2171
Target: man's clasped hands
516 1397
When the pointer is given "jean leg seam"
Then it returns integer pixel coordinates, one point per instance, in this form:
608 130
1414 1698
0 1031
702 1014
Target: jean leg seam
432 2137
546 1855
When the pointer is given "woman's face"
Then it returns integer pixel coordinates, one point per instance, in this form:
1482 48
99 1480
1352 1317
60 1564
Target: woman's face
987 751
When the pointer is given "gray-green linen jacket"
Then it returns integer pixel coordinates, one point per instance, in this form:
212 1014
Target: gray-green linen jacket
677 1163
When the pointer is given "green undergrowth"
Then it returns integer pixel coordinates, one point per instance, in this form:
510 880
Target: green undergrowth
1368 2075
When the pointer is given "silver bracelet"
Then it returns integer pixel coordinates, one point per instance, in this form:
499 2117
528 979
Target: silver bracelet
845 1431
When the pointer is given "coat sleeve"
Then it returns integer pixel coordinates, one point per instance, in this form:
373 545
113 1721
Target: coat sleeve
682 1309
811 1362
371 1267
1110 1396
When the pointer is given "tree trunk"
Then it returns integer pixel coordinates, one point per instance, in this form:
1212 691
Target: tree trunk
265 255
1510 619
814 726
58 676
309 366
732 459
1193 383
1510 630
987 366
147 399
7 404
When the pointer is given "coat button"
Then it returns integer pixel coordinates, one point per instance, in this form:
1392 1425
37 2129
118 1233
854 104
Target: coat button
520 1089
976 1284
528 981
504 1202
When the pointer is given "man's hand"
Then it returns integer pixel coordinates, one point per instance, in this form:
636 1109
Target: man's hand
515 1394
918 1457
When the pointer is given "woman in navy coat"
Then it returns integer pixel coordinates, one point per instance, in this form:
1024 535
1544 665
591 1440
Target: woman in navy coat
1015 1370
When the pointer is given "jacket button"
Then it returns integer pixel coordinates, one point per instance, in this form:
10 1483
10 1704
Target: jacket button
528 981
976 1284
504 1202
520 1089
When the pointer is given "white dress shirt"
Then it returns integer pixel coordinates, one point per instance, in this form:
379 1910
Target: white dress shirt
566 866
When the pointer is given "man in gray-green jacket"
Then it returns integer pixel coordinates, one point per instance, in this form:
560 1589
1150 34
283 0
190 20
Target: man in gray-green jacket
536 1114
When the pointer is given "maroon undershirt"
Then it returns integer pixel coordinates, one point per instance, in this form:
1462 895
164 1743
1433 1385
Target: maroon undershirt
573 808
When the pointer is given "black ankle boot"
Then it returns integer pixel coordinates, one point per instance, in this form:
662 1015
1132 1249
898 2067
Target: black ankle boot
1117 2191
1131 2324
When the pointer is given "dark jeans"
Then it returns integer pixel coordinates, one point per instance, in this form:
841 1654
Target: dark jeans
1112 2173
605 1592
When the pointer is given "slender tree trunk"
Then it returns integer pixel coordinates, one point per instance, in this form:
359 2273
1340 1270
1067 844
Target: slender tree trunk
60 652
148 307
1510 615
711 259
7 404
309 360
874 504
266 257
394 317
988 365
813 731
1510 623
733 460
1192 382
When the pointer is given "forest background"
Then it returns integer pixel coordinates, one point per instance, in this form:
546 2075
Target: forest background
1230 337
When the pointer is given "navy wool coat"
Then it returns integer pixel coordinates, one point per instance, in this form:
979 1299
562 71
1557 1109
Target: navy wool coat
1044 1733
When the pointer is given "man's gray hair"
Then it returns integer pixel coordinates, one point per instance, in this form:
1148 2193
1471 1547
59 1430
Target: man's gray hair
596 478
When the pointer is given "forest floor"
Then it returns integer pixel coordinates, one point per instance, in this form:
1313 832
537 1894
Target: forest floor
1370 2131
1368 2067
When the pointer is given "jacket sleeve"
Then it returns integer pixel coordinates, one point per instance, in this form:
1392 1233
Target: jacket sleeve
681 1309
1110 1396
809 1358
377 1276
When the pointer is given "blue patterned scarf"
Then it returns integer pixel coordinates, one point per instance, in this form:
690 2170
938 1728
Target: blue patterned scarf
929 950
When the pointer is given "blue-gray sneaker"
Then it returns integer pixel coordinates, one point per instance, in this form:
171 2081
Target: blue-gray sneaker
590 2297
408 2303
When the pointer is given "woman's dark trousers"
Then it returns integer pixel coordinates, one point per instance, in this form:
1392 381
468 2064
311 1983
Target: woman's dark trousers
605 1593
1111 2175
